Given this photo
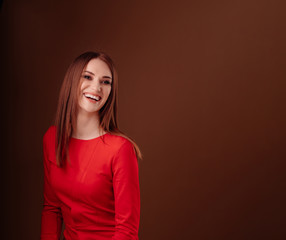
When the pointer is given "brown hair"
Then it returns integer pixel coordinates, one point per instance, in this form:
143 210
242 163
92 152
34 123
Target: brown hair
68 105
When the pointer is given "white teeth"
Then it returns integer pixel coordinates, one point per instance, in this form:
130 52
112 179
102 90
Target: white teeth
92 96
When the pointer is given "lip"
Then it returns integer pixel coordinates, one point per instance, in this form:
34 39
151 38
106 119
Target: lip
92 94
90 100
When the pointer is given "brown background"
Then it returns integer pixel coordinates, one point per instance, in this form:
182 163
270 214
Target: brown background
202 91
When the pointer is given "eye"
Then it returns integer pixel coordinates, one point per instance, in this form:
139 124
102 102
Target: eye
106 82
87 77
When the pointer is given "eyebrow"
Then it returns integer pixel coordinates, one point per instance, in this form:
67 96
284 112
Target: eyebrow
102 77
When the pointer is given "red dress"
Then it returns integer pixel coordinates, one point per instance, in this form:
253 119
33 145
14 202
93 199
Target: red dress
97 196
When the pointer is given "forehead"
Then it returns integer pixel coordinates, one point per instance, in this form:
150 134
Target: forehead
98 67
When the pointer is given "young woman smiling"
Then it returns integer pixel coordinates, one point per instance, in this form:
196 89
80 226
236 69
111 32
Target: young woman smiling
91 180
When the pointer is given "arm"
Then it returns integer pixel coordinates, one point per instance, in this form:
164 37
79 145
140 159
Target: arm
126 193
51 221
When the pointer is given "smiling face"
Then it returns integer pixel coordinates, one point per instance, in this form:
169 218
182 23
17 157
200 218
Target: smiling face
95 86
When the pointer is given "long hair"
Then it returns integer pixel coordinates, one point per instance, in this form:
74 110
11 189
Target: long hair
67 110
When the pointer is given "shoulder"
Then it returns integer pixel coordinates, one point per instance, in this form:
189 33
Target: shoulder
123 154
118 143
51 130
49 135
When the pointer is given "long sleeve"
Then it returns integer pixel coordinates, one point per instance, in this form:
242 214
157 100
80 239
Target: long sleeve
126 193
51 220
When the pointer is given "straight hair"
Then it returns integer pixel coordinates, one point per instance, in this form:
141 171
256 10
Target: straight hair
67 109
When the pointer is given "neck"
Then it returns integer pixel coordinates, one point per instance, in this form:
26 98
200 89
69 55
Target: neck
87 126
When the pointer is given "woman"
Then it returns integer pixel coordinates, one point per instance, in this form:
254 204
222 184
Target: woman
90 167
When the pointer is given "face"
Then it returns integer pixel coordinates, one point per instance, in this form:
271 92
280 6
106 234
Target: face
95 88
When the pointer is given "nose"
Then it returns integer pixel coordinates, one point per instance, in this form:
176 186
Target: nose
96 85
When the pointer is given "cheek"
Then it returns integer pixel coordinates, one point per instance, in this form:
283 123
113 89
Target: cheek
108 92
82 85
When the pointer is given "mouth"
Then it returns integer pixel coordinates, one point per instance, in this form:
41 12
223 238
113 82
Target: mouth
91 97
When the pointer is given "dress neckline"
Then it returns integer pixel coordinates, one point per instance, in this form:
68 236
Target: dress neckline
86 140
